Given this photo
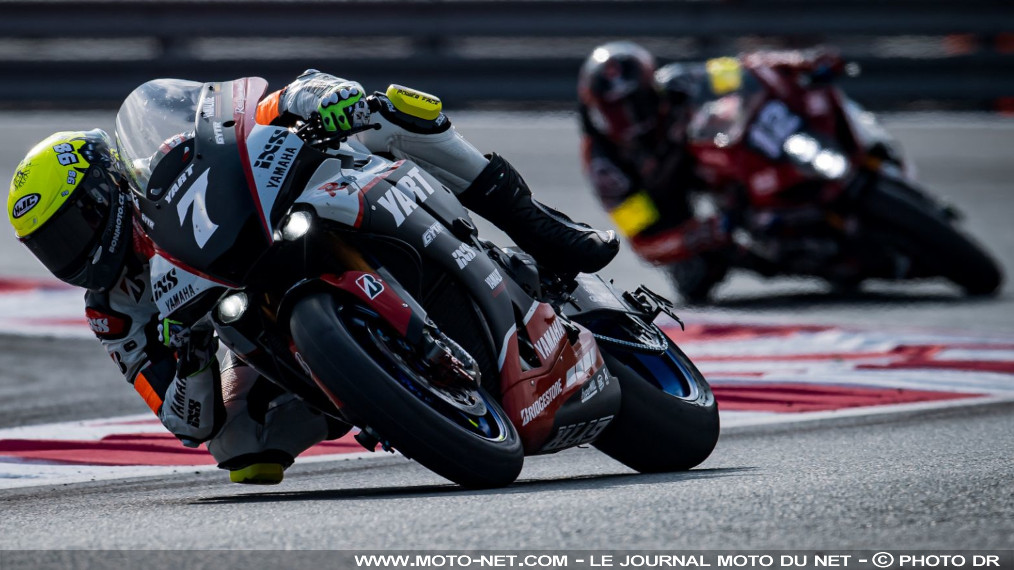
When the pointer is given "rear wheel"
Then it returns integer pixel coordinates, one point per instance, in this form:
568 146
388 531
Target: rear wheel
455 429
668 419
913 226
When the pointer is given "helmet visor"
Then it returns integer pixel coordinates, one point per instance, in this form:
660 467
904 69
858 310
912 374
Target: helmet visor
67 242
631 117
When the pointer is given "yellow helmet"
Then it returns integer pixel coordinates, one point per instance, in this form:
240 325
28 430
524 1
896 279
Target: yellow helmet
66 205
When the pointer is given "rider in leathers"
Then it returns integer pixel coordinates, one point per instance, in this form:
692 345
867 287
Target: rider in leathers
634 119
250 426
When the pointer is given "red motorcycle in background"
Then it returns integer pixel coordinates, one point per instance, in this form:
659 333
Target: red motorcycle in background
811 185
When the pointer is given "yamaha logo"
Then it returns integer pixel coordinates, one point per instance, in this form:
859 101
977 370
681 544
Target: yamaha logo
26 203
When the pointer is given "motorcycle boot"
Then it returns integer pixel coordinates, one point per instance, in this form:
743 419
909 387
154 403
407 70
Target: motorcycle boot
500 195
265 428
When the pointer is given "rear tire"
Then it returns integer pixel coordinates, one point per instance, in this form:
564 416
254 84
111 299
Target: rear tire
668 418
930 238
390 395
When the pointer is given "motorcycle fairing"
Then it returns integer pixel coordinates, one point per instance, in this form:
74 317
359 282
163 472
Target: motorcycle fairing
570 397
386 297
271 153
337 194
249 167
202 197
737 138
403 201
174 287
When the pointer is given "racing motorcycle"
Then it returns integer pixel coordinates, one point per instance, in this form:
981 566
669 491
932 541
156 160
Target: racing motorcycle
817 187
360 284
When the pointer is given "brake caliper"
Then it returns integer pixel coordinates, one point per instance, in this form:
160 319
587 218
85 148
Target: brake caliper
449 360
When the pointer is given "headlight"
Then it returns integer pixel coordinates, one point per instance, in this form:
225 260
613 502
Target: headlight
805 149
231 308
295 226
801 147
830 164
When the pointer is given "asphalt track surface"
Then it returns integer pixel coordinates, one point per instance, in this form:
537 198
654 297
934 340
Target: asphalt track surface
922 479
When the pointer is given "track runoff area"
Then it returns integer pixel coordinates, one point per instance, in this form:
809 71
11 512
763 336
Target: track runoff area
761 374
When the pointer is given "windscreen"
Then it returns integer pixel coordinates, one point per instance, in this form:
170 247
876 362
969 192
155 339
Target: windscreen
155 118
721 117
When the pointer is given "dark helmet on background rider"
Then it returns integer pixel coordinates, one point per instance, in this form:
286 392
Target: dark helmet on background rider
617 89
66 206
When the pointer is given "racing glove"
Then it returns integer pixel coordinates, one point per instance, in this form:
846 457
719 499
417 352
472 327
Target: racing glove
193 409
344 108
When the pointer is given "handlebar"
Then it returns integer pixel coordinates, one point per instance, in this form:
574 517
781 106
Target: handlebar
312 132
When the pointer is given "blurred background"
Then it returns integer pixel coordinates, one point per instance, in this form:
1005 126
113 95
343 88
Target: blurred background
942 70
914 54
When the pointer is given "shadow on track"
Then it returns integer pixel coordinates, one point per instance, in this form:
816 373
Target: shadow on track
518 487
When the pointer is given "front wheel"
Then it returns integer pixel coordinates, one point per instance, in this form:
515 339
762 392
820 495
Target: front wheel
668 419
695 278
932 241
458 431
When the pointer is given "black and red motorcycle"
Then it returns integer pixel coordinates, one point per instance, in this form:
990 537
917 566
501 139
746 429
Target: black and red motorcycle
360 284
811 185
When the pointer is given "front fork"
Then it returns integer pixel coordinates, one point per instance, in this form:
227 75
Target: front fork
379 292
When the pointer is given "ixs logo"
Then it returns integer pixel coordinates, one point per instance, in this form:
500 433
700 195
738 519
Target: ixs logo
99 325
370 285
412 190
106 326
463 255
267 155
165 284
26 203
431 233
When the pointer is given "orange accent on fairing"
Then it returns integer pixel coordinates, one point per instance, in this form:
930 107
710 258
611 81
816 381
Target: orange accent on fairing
147 392
267 110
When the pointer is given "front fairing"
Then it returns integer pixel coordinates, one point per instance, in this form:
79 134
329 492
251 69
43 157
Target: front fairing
376 196
204 175
741 140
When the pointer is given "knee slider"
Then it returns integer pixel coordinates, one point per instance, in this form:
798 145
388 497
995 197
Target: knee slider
413 110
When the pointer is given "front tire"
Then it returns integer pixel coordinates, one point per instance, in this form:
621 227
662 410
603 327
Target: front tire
668 419
929 237
371 370
695 278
